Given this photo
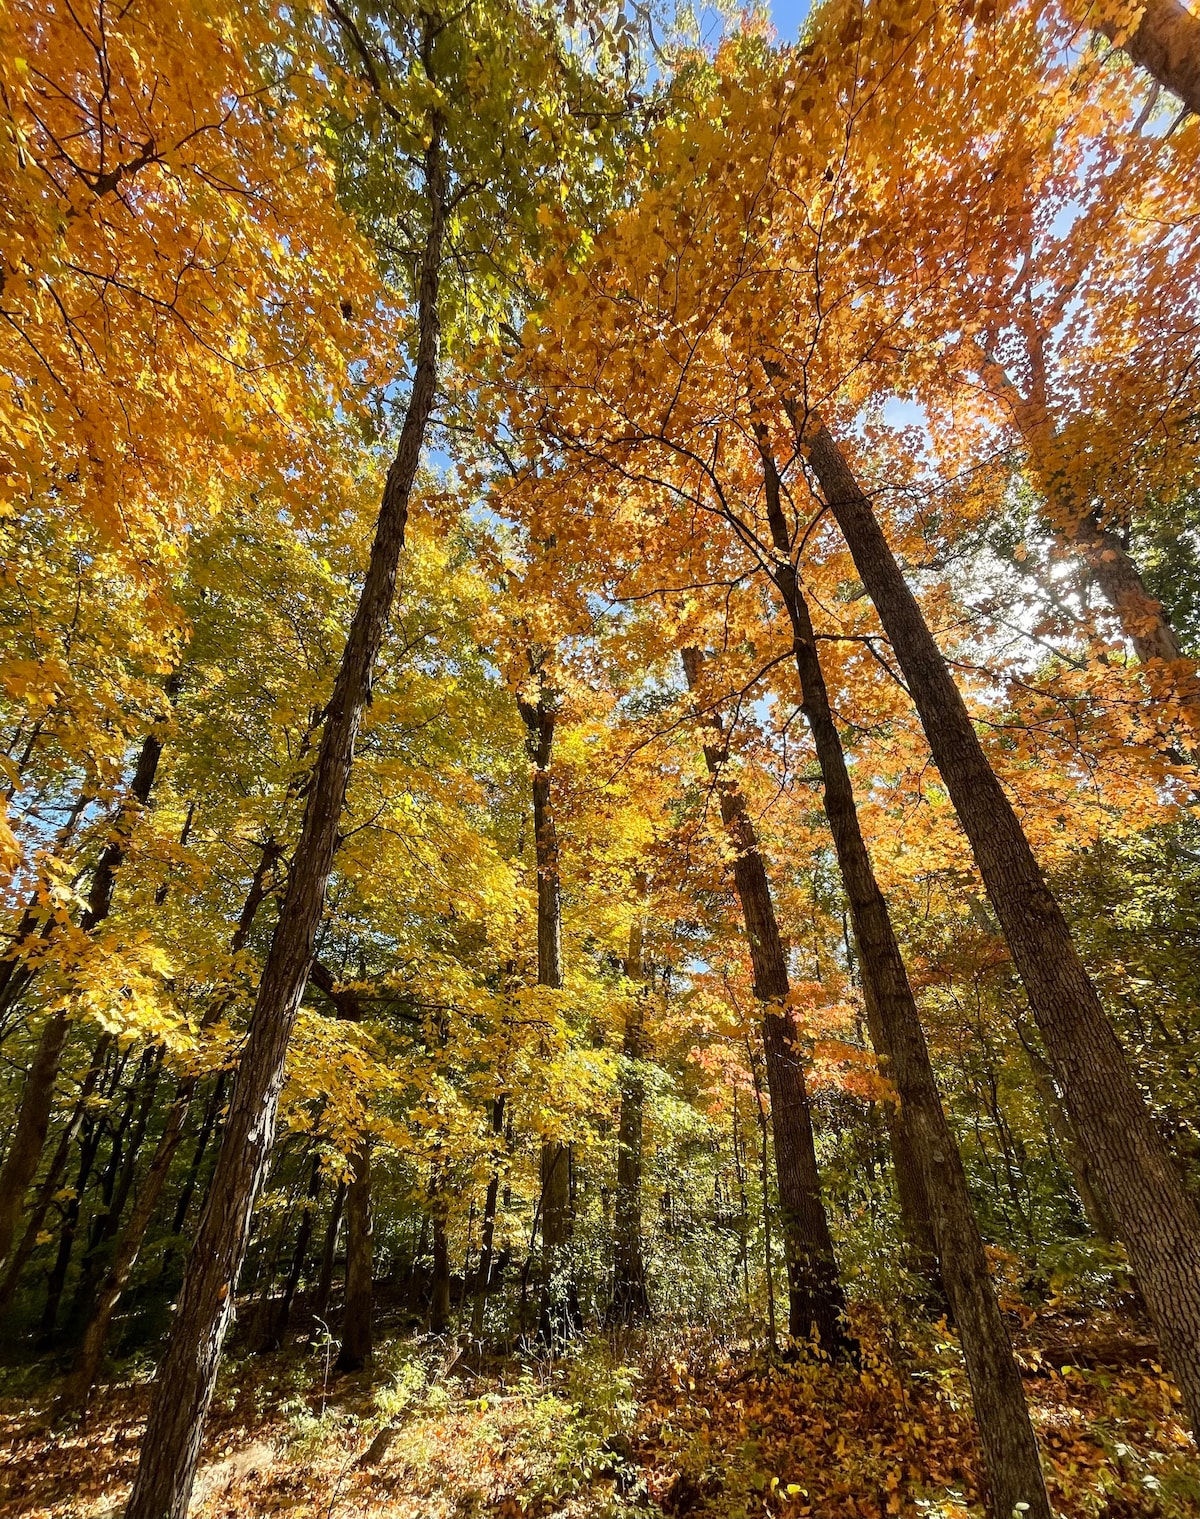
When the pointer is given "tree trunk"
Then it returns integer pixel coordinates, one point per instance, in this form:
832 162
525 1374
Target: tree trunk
1166 43
320 1302
816 1301
1149 1203
187 1373
1006 1435
630 1301
356 1307
283 1313
439 1299
558 1315
487 1246
1142 617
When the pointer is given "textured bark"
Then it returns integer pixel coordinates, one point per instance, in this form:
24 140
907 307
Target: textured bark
1006 1435
187 1372
1166 43
1157 1219
816 1301
356 1307
1142 617
558 1312
630 1301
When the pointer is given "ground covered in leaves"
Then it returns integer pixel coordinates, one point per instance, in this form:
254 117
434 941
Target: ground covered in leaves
662 1423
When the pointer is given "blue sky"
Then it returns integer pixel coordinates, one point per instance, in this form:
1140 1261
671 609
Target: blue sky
787 16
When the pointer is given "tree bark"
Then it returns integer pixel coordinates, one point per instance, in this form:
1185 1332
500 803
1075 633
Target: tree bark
816 1301
1166 43
320 1302
1006 1435
487 1246
439 1299
630 1300
356 1307
187 1373
558 1315
1157 1219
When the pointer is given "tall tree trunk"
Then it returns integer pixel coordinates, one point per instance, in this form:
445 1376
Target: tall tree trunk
630 1301
187 1372
1006 1435
320 1302
1157 1219
487 1246
816 1301
356 1307
439 1297
558 1316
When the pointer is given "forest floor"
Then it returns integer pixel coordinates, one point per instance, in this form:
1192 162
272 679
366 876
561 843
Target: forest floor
667 1422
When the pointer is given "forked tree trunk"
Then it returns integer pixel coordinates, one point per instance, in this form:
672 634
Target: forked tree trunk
816 1301
1006 1435
630 1301
558 1311
1157 1219
187 1372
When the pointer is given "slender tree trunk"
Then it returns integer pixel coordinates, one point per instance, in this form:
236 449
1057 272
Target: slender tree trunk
320 1302
1006 1435
488 1232
816 1301
558 1316
283 1312
630 1300
439 1298
1157 1219
33 1121
187 1373
356 1308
